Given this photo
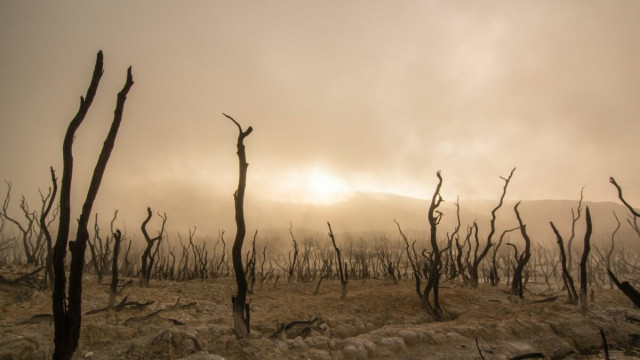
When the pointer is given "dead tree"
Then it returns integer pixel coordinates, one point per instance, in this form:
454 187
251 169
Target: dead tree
613 243
343 274
435 262
241 316
517 286
494 278
627 289
251 264
67 312
454 269
583 263
575 216
635 215
44 226
292 262
566 275
149 256
26 229
413 260
477 259
113 289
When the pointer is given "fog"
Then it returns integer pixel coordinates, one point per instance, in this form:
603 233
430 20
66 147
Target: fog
362 96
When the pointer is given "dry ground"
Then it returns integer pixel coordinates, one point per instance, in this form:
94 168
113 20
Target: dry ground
378 320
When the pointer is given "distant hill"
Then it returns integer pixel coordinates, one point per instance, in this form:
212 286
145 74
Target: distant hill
368 212
376 212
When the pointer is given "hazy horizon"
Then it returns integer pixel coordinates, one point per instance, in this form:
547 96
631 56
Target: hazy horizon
363 96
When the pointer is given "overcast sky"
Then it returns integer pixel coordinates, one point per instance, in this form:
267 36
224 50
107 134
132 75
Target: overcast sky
342 95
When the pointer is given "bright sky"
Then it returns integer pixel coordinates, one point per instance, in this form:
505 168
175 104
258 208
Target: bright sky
343 96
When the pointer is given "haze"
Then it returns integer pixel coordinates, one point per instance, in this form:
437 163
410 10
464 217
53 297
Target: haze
344 97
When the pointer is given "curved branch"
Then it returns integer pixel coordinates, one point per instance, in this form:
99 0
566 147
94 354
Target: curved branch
633 211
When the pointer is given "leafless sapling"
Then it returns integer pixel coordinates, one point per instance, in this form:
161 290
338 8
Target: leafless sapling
292 262
113 288
583 262
26 229
430 295
241 315
67 312
613 244
494 278
517 285
44 226
149 255
566 275
575 216
477 259
342 266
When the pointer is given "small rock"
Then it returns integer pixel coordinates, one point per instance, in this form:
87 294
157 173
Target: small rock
352 352
88 355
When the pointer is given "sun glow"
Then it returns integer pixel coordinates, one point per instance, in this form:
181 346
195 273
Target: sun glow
314 185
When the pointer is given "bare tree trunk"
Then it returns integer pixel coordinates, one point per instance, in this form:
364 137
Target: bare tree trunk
113 289
584 301
342 271
68 314
241 316
47 234
517 285
433 282
574 220
148 257
477 259
566 276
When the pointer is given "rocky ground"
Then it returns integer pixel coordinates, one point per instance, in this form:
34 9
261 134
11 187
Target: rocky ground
378 320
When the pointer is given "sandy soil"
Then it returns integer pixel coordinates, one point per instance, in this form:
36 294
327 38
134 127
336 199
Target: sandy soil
378 320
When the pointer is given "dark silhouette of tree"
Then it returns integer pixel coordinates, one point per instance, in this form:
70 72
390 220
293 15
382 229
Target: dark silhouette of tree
566 275
149 256
343 274
67 312
241 316
517 285
435 261
26 229
575 216
635 215
49 199
584 300
477 258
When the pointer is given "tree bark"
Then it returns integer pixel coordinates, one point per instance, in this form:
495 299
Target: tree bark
68 314
517 285
241 316
566 276
477 259
584 300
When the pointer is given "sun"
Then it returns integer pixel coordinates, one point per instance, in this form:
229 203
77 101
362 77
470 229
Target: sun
310 184
322 187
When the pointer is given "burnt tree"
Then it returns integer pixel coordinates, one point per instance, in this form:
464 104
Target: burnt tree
575 216
149 255
241 316
48 279
435 262
477 258
67 312
566 275
517 285
635 215
583 262
342 267
26 229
